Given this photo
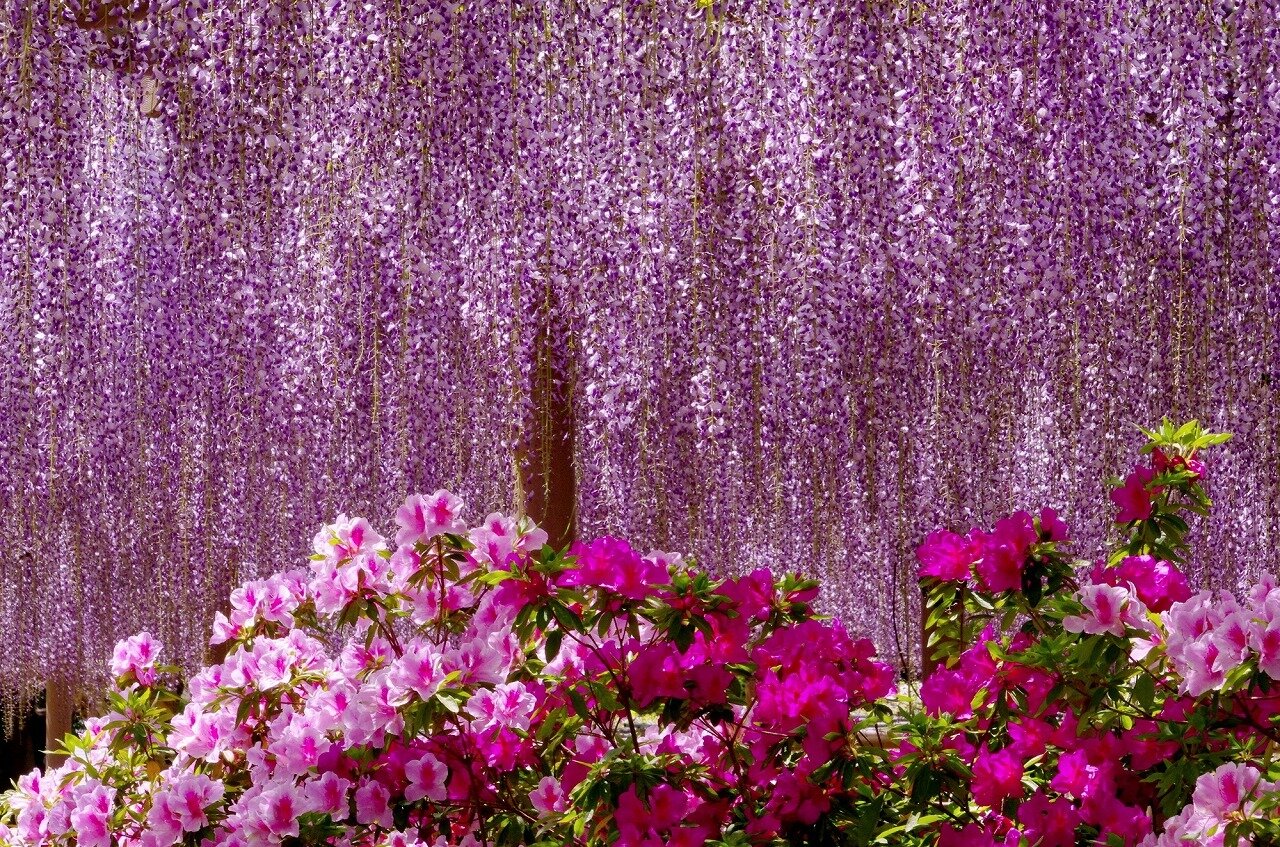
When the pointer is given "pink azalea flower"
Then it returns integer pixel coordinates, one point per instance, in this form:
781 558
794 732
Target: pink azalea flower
548 798
1227 789
328 795
1004 552
631 817
1076 777
976 835
422 518
506 705
137 653
1158 584
1052 527
92 817
611 563
428 777
655 672
1049 823
373 804
1105 610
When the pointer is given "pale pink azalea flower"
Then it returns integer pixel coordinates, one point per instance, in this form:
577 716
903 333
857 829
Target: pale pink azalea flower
59 820
269 666
530 536
164 827
33 824
189 798
272 599
1266 588
345 538
400 839
372 570
1105 610
373 804
1189 619
362 656
1228 789
494 539
328 795
402 565
428 777
327 707
223 630
426 601
423 518
1231 635
491 617
665 560
419 671
484 659
332 588
1197 666
548 798
203 734
29 790
572 658
373 715
1266 640
137 653
275 811
297 745
507 705
91 818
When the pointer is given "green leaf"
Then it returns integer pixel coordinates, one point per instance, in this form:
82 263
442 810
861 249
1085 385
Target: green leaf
553 643
1144 692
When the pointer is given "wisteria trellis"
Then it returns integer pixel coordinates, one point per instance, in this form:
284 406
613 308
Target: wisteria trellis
817 275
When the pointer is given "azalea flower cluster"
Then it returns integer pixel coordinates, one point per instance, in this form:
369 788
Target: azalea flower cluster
1077 705
1226 795
466 685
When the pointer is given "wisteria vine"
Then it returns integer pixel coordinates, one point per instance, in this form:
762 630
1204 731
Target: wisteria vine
813 274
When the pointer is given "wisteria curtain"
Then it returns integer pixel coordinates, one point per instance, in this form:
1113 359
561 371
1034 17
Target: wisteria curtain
817 277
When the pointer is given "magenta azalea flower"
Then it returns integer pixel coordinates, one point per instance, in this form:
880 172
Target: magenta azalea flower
1133 499
946 556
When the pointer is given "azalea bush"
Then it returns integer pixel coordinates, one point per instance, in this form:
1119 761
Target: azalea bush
1103 704
467 684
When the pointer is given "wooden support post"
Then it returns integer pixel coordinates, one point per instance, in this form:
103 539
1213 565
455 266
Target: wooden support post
548 478
59 701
